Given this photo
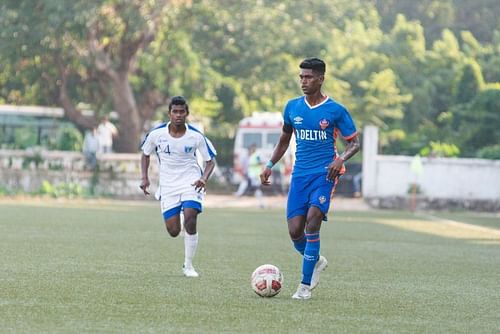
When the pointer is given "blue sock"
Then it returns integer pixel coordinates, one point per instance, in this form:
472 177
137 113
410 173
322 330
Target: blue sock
300 244
311 255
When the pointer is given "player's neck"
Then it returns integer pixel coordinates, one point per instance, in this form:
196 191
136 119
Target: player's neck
176 131
315 98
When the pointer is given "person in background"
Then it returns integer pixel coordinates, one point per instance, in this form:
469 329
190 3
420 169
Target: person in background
245 180
90 148
106 132
255 165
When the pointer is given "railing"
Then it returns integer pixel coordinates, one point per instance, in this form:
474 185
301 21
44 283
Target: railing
37 159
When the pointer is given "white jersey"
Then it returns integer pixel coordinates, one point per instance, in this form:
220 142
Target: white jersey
177 159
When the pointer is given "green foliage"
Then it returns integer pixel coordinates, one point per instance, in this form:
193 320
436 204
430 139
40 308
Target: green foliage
468 82
24 137
4 191
396 64
490 152
438 149
69 139
63 189
224 144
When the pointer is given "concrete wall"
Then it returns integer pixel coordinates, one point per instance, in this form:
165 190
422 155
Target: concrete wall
119 174
441 181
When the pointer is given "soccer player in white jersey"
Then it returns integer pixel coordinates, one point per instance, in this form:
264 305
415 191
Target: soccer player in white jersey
182 181
314 119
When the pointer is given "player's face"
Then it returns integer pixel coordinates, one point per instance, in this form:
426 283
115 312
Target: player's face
178 114
310 81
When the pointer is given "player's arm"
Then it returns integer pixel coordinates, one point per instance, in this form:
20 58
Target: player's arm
351 148
201 183
145 159
279 151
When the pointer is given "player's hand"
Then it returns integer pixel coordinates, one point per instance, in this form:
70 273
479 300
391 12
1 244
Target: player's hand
334 169
264 176
200 185
145 185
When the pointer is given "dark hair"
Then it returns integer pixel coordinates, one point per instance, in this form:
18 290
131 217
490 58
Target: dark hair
178 101
315 64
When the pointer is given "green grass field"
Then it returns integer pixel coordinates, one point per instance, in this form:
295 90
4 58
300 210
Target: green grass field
82 267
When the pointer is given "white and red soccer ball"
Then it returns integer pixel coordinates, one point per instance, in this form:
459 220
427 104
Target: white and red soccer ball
267 280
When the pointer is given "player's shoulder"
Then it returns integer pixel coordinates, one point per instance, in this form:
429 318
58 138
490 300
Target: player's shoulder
156 130
295 100
332 103
194 131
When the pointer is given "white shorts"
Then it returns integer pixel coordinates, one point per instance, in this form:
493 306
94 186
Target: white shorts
169 202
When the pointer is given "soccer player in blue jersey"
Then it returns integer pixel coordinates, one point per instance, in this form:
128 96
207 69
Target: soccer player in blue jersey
314 119
182 181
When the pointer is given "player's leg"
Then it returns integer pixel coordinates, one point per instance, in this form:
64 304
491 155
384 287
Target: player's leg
311 253
296 211
296 231
191 210
318 192
172 221
297 207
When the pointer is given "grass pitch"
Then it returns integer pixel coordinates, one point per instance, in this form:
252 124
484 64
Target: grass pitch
80 267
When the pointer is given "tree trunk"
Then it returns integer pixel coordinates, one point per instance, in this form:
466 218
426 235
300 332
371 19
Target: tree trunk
129 125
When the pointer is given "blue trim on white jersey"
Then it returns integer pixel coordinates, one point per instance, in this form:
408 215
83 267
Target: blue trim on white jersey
210 147
162 125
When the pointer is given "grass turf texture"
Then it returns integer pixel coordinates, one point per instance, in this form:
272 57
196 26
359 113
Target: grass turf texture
81 267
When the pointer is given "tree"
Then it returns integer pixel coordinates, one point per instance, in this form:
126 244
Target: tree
468 82
86 53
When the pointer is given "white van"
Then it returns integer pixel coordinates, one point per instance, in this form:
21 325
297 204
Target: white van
262 129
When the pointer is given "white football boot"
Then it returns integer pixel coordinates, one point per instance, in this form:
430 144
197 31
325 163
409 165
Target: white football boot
303 292
320 265
189 271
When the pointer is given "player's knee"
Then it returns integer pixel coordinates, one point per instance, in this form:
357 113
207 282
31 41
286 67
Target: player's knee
190 225
296 234
173 230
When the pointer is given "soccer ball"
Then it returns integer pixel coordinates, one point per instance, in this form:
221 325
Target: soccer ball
267 280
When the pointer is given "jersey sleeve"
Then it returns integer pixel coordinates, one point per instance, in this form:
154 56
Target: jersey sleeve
345 124
206 148
286 115
148 145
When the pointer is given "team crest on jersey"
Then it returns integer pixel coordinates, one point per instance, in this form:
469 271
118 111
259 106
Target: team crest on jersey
188 149
298 120
322 199
323 124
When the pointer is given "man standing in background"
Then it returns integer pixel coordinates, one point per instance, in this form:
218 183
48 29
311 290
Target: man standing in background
106 131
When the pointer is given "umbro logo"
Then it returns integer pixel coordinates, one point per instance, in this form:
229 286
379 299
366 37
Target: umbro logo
298 120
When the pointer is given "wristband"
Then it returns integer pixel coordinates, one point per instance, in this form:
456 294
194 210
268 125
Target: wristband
269 164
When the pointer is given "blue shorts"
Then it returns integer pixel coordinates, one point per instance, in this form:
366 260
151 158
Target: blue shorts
176 210
306 191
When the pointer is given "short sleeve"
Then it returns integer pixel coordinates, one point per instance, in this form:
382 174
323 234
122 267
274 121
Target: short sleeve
148 146
206 148
286 115
345 124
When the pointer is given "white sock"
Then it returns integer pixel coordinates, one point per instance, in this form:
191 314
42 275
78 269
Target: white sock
190 245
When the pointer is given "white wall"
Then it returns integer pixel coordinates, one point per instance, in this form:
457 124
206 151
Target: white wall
446 178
